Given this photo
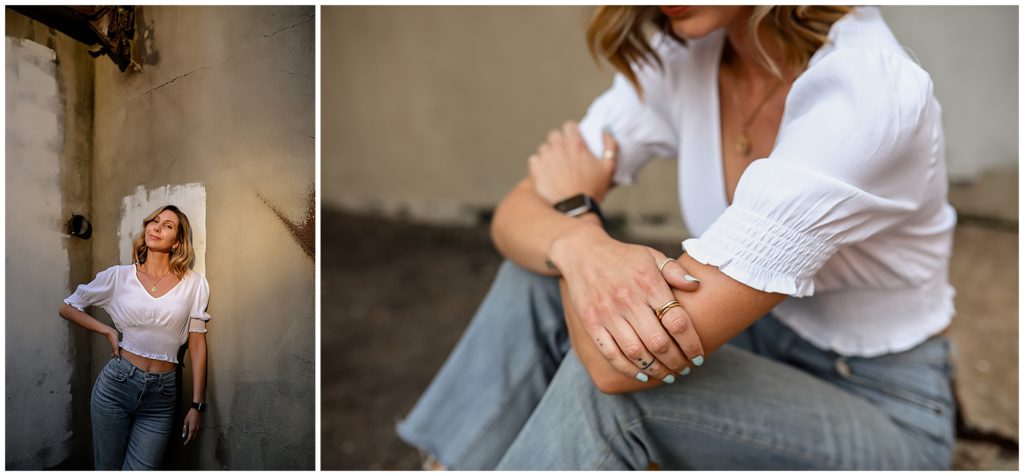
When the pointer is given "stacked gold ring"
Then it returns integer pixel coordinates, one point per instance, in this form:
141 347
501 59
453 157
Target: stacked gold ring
664 309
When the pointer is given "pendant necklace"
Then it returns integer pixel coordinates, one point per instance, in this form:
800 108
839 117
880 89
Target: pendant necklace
743 145
153 289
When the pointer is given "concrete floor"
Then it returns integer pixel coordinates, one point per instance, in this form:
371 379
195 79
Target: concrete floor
396 297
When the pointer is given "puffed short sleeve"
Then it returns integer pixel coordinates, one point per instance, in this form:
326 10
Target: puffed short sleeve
198 316
639 125
95 293
856 152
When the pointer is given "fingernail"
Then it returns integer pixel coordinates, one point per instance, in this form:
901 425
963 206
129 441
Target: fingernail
641 377
691 279
607 130
669 379
182 435
698 360
685 372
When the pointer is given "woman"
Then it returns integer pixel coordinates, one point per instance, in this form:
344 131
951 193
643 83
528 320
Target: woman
157 303
825 264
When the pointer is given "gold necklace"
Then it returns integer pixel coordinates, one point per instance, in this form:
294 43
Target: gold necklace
153 289
743 144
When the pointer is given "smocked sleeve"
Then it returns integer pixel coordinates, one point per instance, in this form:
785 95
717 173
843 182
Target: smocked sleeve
641 128
199 316
856 149
96 293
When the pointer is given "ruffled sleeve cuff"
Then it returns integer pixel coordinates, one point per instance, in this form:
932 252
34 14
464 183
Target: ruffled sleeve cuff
76 302
761 253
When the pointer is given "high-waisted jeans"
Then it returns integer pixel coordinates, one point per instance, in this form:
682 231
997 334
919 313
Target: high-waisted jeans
512 396
132 414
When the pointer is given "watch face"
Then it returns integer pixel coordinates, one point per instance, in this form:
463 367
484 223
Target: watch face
574 206
572 203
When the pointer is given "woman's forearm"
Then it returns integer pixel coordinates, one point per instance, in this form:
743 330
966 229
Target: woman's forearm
197 354
83 320
525 226
719 310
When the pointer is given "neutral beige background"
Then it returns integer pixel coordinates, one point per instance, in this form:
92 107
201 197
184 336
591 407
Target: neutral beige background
430 112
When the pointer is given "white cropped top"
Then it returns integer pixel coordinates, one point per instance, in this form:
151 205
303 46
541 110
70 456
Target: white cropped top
848 214
153 327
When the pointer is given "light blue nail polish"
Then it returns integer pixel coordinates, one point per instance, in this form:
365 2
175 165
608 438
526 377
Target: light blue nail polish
641 377
669 379
607 129
698 360
691 279
685 372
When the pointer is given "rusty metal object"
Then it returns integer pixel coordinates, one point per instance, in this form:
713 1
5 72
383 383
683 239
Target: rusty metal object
109 29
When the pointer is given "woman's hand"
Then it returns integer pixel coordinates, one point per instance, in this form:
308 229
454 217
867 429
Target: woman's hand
617 289
191 428
111 334
563 166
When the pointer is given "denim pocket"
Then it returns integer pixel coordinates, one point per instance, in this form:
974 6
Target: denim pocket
169 389
115 372
912 387
921 387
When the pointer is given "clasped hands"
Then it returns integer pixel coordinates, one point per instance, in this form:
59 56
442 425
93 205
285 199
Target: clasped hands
615 288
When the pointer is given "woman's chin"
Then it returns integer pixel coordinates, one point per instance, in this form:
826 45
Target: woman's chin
692 30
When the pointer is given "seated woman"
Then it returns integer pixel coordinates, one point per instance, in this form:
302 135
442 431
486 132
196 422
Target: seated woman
811 171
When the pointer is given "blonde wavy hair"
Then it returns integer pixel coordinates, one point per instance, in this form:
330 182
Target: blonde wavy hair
621 34
182 256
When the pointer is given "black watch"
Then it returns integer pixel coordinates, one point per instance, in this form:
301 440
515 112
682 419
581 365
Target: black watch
201 406
579 204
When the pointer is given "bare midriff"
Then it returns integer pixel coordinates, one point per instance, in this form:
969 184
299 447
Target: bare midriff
147 364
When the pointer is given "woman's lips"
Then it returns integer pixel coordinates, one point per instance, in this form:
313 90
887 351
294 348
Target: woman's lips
674 11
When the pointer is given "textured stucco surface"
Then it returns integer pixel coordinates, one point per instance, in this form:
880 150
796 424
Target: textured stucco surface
47 359
38 376
226 100
431 112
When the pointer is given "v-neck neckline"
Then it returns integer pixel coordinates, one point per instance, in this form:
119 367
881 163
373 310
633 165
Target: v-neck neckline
135 273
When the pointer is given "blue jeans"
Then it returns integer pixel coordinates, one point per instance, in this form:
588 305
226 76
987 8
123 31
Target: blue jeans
512 396
132 414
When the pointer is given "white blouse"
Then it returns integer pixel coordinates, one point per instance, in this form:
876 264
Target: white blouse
848 214
153 327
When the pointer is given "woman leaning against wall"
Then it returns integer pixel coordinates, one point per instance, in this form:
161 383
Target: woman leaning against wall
158 304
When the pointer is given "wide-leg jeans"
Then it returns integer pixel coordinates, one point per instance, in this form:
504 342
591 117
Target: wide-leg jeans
512 396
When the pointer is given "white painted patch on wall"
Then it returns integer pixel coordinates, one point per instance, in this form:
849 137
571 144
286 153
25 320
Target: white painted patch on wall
38 370
190 198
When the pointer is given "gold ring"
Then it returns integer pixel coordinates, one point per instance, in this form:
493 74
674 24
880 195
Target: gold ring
608 154
664 309
661 265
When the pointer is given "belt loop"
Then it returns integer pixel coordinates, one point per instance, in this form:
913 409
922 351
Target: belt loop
131 369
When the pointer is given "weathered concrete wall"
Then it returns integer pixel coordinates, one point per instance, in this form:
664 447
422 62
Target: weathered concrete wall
226 100
49 94
971 53
430 112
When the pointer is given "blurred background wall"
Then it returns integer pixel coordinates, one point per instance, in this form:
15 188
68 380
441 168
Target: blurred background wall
223 109
430 112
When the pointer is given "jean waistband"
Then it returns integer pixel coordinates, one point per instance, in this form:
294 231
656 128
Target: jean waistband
131 370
